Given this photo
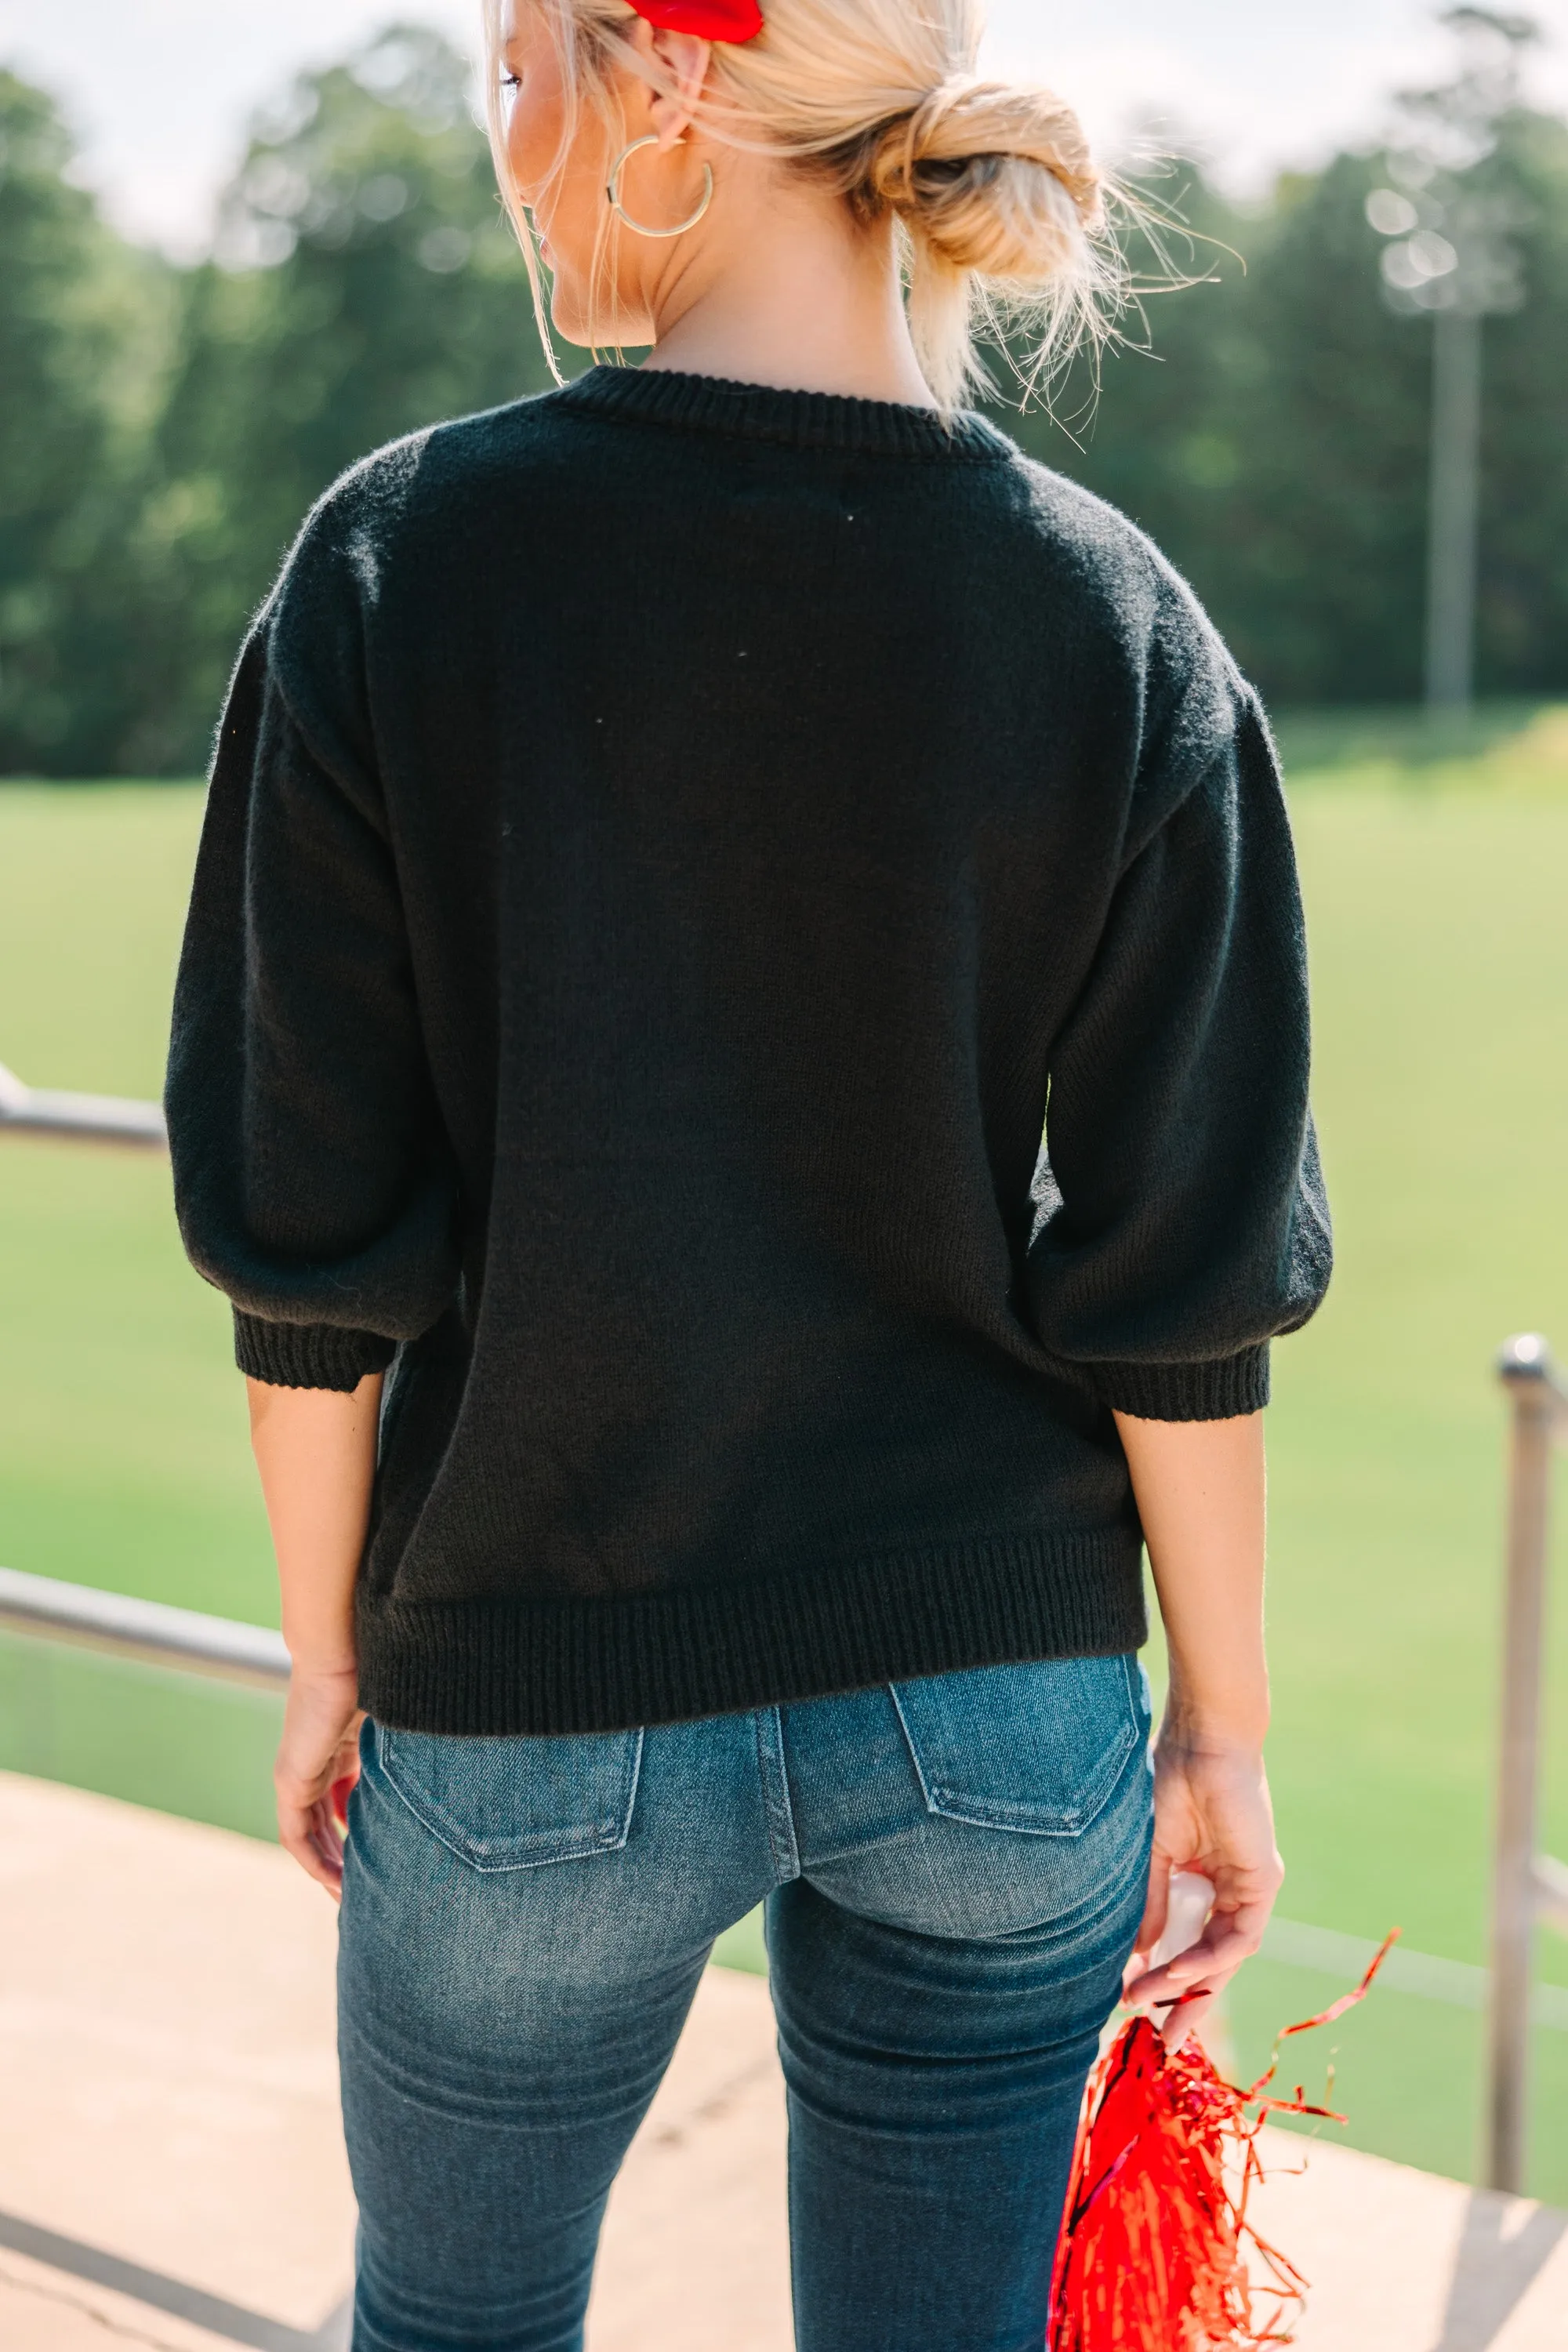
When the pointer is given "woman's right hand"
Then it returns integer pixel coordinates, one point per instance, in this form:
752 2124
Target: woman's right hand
320 1748
315 1449
1213 1816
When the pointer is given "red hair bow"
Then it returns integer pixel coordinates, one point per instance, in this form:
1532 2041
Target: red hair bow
710 20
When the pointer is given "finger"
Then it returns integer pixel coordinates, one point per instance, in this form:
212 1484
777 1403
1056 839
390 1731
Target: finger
330 1876
327 1832
1188 1972
296 1831
301 1794
1185 2018
328 1872
303 1850
1214 1960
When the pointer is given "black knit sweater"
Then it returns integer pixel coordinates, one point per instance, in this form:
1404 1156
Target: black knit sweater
668 842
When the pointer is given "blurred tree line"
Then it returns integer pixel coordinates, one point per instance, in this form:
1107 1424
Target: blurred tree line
162 429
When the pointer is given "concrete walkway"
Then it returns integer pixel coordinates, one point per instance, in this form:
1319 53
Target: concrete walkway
172 2171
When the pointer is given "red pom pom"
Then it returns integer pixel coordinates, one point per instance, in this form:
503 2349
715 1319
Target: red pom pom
1151 2256
1153 2252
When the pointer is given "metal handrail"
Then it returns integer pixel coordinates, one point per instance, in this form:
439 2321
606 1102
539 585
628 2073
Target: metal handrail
85 1118
115 1622
150 1630
1529 1889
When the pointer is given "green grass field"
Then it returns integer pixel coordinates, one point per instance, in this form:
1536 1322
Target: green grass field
1436 862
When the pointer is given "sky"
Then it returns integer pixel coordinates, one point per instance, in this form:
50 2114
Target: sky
160 91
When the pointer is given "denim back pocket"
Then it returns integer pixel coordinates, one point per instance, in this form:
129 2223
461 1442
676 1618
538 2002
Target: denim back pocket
515 1804
1036 1749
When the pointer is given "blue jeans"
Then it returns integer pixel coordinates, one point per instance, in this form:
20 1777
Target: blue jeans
953 1870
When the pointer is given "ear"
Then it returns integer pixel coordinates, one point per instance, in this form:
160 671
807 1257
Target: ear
681 59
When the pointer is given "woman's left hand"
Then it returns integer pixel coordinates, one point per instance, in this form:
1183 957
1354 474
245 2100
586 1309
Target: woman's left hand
1213 1816
318 1749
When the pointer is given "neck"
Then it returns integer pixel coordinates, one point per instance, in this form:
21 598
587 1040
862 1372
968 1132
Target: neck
787 291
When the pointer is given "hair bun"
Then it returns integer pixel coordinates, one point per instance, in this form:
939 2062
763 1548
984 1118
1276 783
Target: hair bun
994 177
1008 231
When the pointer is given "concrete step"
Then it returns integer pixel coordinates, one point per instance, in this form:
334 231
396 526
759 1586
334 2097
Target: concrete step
171 2167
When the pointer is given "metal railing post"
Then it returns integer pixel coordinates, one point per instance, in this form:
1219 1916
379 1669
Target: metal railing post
1523 1883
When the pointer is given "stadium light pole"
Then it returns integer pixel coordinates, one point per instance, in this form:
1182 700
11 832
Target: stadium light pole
1451 254
1453 508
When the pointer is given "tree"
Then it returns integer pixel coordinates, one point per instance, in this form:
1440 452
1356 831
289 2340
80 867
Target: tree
1273 438
364 283
163 431
83 322
1522 638
1269 437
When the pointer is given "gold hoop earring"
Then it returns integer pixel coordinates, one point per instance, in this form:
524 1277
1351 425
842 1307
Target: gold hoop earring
613 191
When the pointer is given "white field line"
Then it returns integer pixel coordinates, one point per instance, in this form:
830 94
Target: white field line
1456 1982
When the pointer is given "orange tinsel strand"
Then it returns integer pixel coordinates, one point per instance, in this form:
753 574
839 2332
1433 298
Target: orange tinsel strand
1152 2253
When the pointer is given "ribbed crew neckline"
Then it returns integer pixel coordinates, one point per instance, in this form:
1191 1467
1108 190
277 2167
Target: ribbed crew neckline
803 420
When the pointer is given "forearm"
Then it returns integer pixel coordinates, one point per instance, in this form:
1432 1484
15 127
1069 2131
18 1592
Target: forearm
315 1449
1200 1491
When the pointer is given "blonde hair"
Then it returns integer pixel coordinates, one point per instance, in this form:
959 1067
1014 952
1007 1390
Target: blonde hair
1002 214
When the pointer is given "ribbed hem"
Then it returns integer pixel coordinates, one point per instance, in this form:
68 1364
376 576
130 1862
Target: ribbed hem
534 1667
307 1355
803 420
1220 1390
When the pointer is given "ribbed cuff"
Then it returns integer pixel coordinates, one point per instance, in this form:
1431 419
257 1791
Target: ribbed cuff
1222 1390
307 1355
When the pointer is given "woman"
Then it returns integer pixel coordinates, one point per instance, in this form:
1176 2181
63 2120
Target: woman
667 839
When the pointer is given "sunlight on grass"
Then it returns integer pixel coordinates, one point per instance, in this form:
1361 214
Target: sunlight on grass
1504 749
